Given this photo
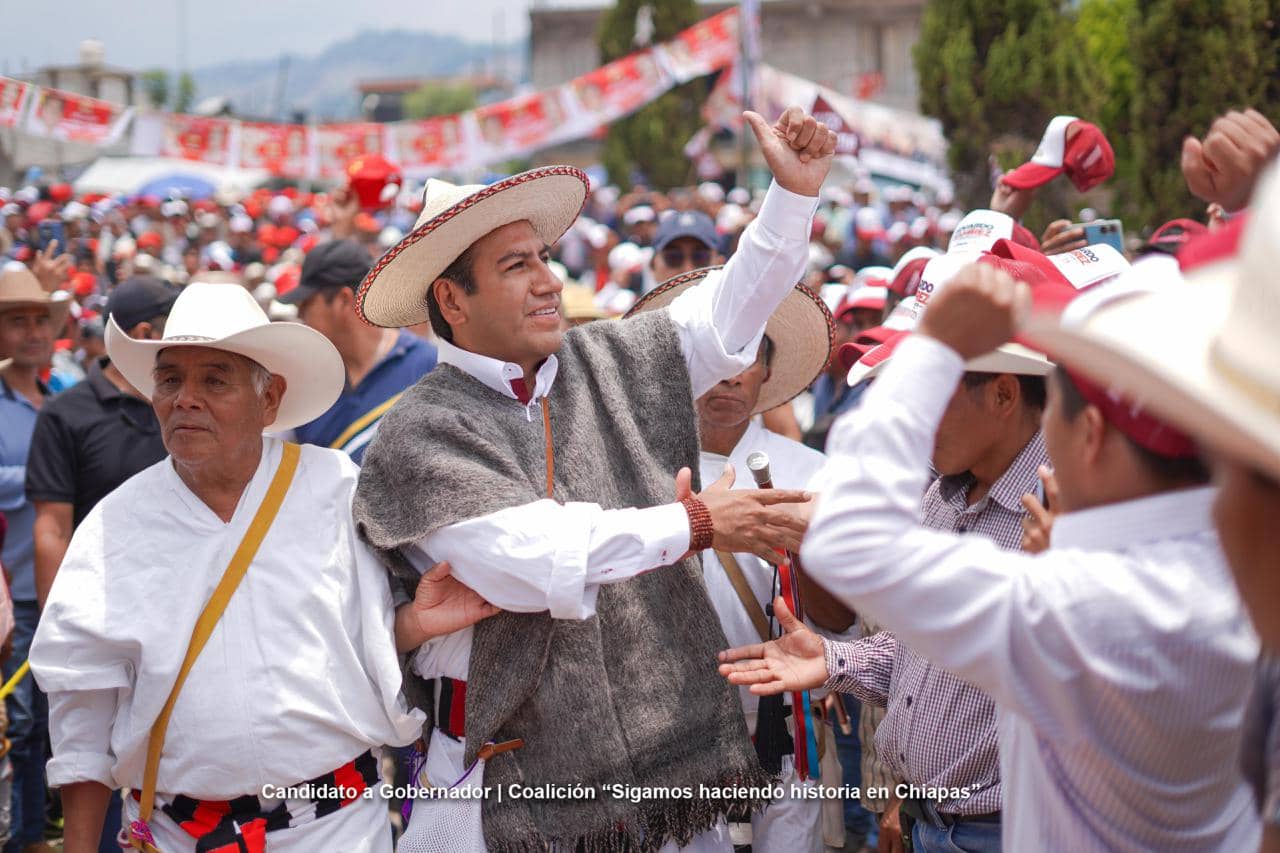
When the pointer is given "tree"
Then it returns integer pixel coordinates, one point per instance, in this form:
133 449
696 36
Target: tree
994 72
438 99
186 93
155 85
651 140
1194 60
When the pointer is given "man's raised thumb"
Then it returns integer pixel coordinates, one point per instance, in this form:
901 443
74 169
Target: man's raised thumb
759 126
786 618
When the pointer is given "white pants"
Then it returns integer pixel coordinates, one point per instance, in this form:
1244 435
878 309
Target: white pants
789 825
362 827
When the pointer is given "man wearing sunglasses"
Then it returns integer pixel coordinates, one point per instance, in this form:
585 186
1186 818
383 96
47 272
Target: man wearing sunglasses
686 241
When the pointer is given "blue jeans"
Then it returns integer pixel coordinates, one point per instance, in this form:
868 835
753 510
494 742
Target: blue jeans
28 732
859 824
964 837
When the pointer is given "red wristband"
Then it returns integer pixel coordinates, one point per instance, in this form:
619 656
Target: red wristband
700 526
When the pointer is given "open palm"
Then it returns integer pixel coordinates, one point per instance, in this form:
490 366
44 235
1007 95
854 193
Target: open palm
794 661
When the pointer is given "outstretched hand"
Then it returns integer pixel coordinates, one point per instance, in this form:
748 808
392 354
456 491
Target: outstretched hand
50 268
798 149
795 661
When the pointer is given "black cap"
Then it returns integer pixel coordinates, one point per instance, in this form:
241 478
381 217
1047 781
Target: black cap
690 223
338 263
139 299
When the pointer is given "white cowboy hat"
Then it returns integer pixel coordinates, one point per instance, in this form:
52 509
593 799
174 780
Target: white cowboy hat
801 329
5 362
227 317
1203 354
394 293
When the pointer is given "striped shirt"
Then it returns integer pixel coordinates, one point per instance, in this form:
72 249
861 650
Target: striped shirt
1120 659
940 731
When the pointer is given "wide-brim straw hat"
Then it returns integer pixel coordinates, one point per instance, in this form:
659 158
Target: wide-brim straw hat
394 293
801 329
227 317
1203 354
19 288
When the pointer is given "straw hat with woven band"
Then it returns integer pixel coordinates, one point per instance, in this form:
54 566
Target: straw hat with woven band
394 293
801 329
19 288
227 317
1204 354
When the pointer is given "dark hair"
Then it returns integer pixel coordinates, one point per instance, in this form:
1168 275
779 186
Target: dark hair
767 348
460 273
1166 469
1031 389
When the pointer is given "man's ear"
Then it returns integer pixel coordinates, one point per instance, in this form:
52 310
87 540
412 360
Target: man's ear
1095 433
449 299
1004 393
272 398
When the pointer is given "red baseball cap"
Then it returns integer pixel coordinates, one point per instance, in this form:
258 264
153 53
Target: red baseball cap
150 240
1174 234
867 296
1069 146
867 340
375 180
1135 422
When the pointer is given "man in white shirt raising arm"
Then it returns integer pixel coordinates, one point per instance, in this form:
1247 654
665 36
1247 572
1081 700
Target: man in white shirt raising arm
1119 659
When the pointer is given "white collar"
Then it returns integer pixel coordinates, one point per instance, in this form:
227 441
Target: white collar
751 440
1121 526
497 374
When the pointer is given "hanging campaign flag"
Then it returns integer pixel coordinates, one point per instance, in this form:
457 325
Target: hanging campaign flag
14 97
76 118
617 89
279 148
847 139
429 145
522 124
707 46
209 140
335 145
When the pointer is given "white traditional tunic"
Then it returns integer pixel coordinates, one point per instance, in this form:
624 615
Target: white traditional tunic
299 677
787 824
554 557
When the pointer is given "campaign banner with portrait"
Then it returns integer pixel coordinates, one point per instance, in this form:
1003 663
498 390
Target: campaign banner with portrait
617 89
430 145
209 140
336 145
707 46
68 117
279 148
14 97
519 125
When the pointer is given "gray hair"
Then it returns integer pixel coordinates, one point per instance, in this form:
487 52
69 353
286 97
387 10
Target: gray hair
259 376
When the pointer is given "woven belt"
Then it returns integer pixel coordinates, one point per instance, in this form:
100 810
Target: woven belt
451 704
241 825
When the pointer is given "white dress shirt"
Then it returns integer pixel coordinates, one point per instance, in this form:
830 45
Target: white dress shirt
299 676
554 557
1120 659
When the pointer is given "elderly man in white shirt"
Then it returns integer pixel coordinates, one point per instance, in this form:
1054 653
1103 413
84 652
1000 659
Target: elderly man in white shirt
274 734
1120 659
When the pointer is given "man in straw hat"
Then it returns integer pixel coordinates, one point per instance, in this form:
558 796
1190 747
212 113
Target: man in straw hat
1118 658
794 349
263 729
29 321
539 464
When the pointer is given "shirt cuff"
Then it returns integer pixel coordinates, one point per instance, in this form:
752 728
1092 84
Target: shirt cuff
787 214
671 533
842 665
70 768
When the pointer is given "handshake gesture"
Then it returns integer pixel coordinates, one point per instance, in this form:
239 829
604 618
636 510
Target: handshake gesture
756 521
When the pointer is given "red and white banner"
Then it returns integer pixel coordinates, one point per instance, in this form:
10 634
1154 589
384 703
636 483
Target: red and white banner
69 117
336 145
279 148
617 89
519 125
14 96
847 140
707 46
434 144
209 140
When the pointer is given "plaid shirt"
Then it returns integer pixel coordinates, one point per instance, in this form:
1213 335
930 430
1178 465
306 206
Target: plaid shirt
940 731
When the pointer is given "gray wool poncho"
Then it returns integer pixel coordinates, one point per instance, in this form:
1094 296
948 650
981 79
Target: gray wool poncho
630 696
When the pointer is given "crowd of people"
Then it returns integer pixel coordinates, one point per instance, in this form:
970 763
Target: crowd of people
656 515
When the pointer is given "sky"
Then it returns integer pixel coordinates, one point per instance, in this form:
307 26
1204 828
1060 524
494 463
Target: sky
143 34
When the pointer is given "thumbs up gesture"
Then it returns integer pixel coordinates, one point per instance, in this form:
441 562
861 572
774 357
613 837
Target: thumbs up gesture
797 147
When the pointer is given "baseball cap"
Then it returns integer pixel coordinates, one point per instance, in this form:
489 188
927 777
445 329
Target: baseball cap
140 298
1173 235
691 223
1086 158
337 263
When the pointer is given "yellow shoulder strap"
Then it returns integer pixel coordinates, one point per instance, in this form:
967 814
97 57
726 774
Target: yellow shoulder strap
745 595
209 617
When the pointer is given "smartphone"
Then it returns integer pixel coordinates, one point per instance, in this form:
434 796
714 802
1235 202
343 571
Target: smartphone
50 230
1109 231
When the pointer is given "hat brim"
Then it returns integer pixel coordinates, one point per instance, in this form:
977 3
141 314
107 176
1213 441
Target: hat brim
1156 348
394 293
1007 358
58 309
311 367
1028 176
801 329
